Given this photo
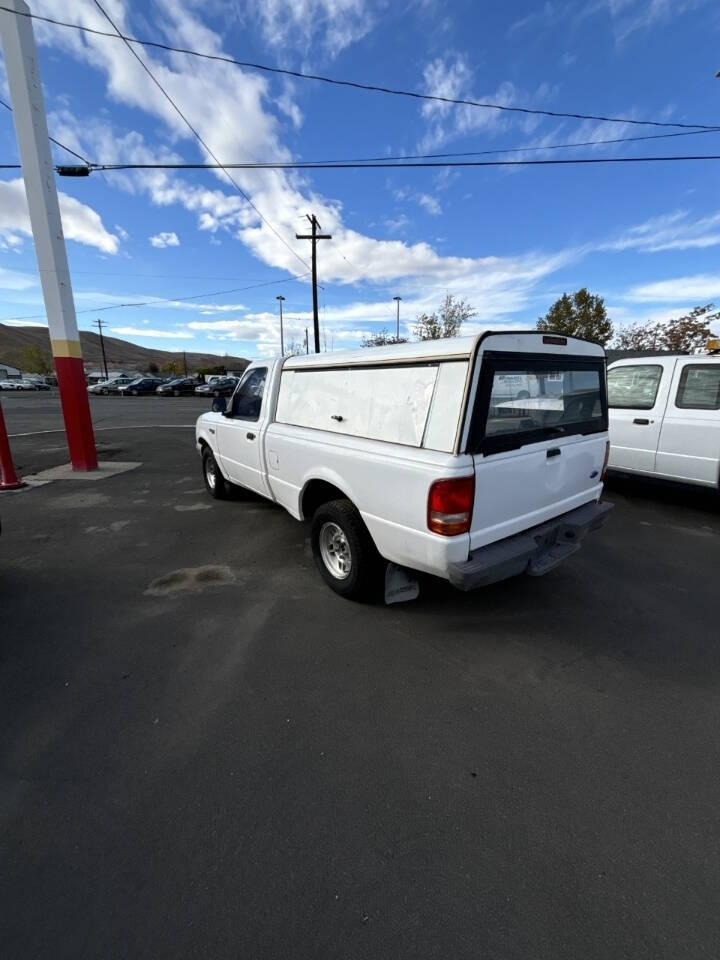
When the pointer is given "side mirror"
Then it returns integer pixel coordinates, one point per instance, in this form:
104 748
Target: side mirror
219 405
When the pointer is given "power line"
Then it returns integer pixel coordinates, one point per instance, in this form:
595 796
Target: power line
194 132
51 139
402 165
398 165
152 303
355 84
500 150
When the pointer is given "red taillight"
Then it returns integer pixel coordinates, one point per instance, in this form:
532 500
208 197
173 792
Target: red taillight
605 461
450 504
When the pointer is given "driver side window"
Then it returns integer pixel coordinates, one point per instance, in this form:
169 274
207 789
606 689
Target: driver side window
247 401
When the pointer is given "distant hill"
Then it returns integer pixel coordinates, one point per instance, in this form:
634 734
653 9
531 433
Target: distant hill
120 353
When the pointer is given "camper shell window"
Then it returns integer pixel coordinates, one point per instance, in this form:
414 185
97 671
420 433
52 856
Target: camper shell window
525 398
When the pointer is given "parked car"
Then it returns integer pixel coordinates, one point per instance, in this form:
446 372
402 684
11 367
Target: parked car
221 387
106 387
10 385
179 387
665 417
140 386
418 455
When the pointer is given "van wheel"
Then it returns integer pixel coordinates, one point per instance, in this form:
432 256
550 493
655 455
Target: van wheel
344 552
215 482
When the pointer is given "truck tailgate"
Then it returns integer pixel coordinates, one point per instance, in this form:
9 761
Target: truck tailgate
521 488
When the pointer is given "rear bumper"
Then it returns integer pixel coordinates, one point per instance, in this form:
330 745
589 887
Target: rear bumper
535 552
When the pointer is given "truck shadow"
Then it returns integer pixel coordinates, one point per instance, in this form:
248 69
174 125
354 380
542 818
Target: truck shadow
664 491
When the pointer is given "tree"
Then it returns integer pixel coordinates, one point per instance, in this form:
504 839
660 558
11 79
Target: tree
637 336
219 370
35 360
684 334
581 314
691 331
173 367
295 348
153 367
445 322
382 339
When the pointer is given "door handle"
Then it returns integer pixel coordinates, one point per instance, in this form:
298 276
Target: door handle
250 436
642 421
553 452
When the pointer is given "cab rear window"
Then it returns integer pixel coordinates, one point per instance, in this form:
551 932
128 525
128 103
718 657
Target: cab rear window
525 399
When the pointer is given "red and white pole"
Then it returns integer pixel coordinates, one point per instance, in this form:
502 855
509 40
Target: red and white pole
18 43
9 479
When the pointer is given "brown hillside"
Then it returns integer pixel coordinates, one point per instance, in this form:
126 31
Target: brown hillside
120 353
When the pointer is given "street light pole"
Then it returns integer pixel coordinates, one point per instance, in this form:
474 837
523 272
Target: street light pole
280 299
99 325
397 333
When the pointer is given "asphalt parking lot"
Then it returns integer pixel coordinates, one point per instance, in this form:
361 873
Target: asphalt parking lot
234 762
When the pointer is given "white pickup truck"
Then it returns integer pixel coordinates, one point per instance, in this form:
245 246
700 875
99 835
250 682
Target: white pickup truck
665 417
422 456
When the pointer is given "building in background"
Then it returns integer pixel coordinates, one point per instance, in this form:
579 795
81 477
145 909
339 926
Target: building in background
9 373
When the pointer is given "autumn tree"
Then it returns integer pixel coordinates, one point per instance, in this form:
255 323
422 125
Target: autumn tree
445 322
684 334
35 360
691 331
382 339
580 314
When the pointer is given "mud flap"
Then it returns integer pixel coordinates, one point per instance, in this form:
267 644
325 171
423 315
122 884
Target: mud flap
400 584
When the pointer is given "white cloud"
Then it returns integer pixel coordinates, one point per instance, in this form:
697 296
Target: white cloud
451 77
144 332
165 239
14 280
331 25
80 222
701 288
630 16
430 204
670 231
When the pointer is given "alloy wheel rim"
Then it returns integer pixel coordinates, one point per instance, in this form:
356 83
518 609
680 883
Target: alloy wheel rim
335 550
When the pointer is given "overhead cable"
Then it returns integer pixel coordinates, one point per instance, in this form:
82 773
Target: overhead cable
358 85
196 134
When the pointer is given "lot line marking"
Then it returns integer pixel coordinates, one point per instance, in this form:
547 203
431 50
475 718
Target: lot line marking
130 426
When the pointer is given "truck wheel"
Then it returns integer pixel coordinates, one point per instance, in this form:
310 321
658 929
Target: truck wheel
215 482
344 552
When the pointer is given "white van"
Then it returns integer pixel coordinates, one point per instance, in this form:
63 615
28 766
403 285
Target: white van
665 417
424 455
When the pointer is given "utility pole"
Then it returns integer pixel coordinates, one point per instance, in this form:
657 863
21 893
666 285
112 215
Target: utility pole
397 333
307 346
280 299
99 324
185 362
21 63
314 237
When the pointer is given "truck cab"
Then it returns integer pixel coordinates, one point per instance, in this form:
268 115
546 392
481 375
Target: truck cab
665 417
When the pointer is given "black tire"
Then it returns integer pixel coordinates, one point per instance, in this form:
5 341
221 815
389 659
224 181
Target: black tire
215 483
104 392
363 580
176 393
216 393
134 393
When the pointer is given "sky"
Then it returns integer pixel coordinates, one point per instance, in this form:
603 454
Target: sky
646 237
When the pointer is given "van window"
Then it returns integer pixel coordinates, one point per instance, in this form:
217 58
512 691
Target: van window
525 399
634 387
699 387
